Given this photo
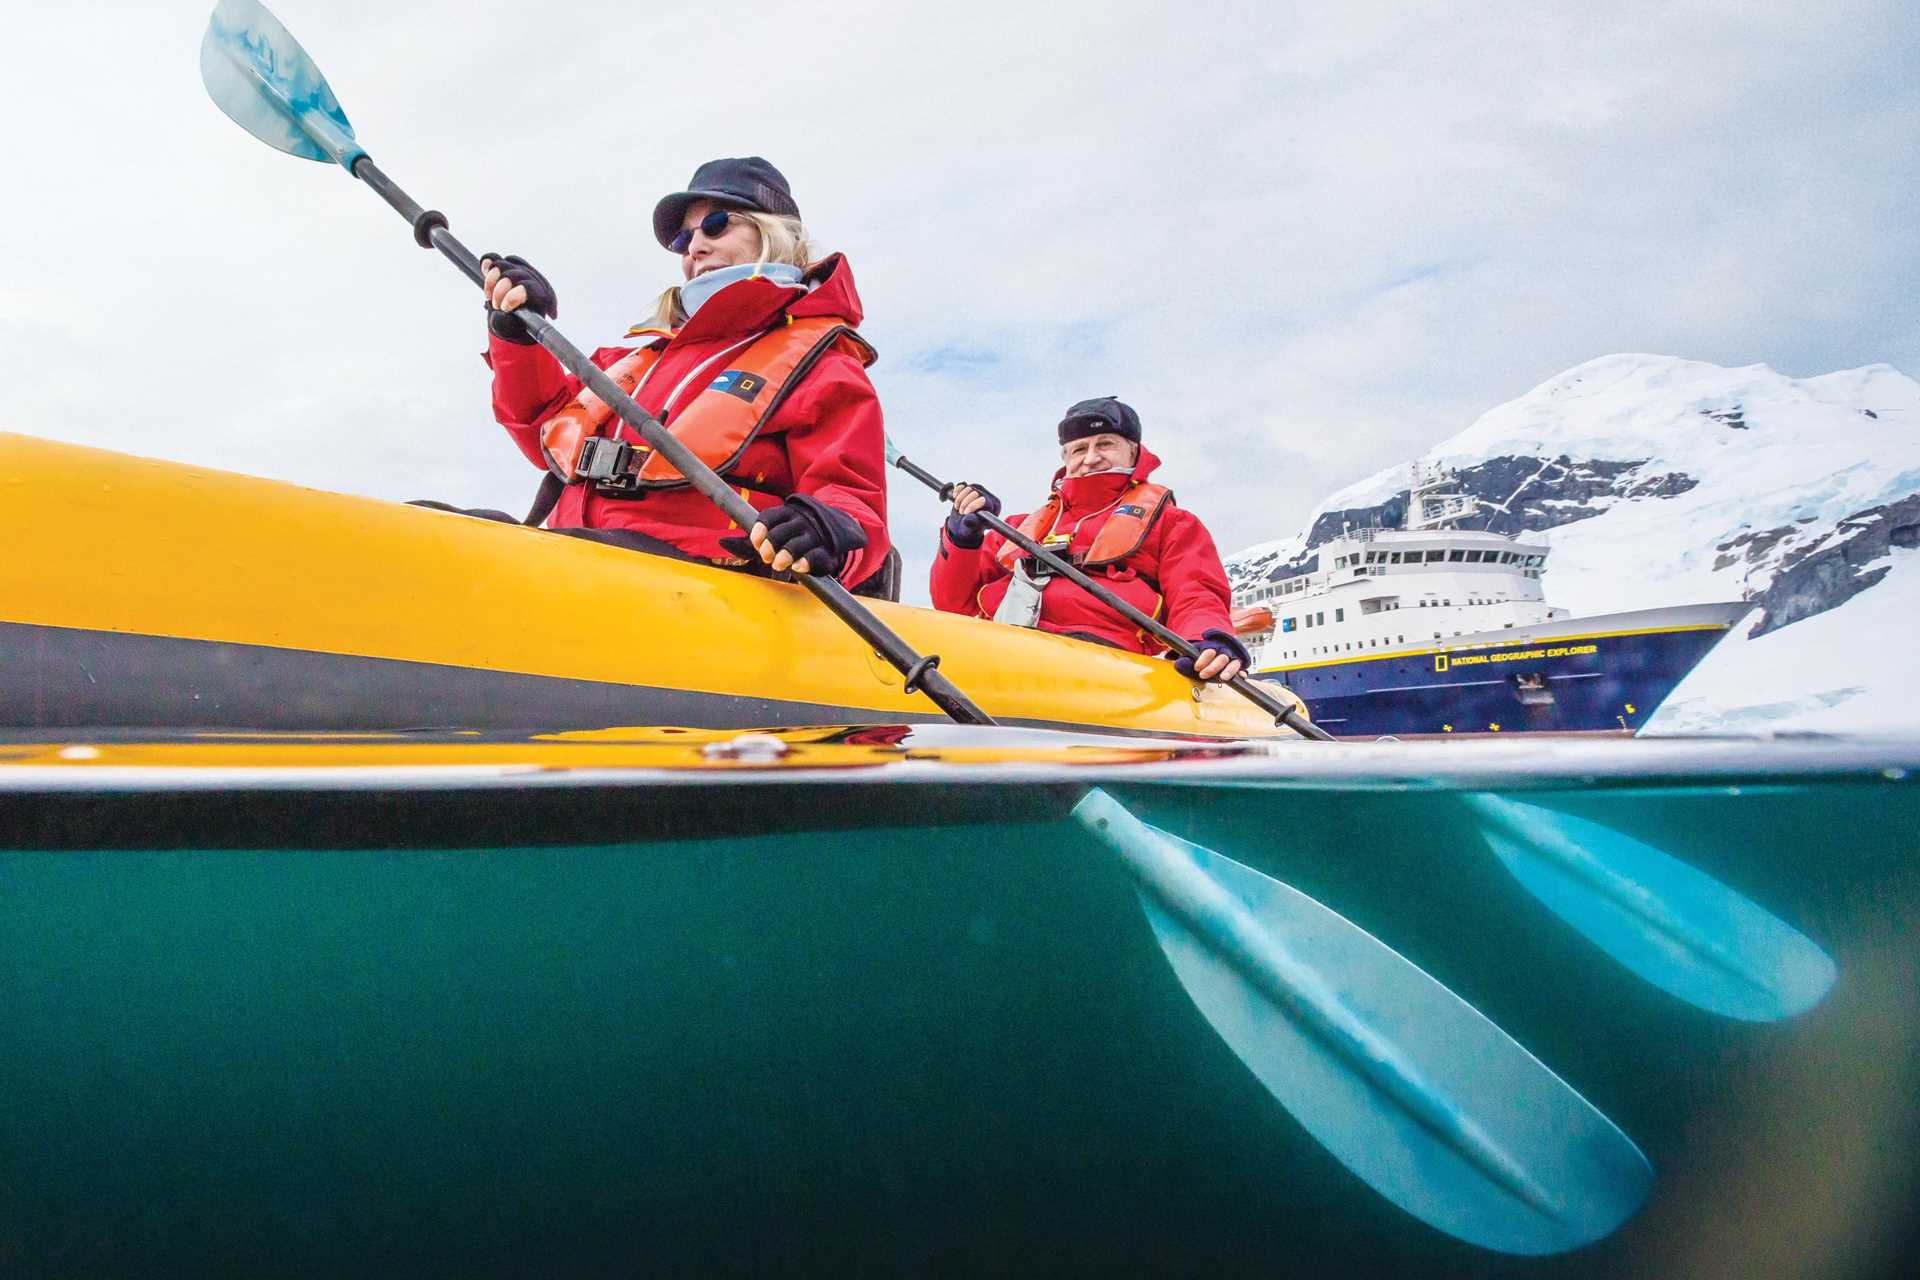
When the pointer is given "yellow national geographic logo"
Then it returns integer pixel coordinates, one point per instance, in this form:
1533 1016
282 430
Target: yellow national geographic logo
1442 662
738 382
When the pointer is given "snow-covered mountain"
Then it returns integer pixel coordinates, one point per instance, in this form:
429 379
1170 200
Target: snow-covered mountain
1658 481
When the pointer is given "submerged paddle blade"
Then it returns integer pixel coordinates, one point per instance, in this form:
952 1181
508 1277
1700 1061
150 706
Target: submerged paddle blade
1678 928
1409 1086
259 75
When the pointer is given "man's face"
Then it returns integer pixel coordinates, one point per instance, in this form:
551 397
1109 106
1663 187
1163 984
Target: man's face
1104 452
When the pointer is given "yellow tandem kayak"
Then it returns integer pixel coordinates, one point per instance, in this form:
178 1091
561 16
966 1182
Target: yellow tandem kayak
137 592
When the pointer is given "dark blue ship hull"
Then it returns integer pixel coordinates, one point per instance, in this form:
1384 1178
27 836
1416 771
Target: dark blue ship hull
1588 675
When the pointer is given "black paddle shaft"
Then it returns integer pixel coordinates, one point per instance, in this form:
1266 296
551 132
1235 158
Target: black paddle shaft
922 674
1283 713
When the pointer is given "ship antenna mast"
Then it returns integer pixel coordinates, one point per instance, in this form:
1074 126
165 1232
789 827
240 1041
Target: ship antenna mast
1432 501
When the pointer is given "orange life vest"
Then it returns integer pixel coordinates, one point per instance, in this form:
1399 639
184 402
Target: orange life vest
1123 533
746 383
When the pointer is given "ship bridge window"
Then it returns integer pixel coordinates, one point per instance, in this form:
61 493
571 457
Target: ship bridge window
1435 557
1456 556
1393 557
1376 557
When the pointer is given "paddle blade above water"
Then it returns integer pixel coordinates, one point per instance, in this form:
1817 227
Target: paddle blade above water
258 74
1674 926
1410 1087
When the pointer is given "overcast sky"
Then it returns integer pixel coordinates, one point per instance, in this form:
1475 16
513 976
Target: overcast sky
1305 241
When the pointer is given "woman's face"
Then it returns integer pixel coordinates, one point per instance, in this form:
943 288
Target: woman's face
1103 452
738 244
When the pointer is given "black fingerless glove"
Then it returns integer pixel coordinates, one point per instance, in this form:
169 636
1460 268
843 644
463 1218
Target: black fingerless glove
809 530
967 532
506 325
1223 641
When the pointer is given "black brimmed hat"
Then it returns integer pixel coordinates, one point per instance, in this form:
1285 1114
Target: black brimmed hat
746 182
1106 413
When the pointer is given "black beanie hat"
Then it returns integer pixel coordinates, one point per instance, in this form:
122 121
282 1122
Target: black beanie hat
747 182
1104 413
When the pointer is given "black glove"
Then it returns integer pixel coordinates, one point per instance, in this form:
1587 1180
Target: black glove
1223 641
966 532
540 297
809 530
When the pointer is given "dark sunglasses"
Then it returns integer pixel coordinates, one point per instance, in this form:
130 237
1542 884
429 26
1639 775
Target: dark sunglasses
712 226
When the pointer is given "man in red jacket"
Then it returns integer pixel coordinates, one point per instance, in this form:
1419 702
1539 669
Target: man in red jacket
1112 522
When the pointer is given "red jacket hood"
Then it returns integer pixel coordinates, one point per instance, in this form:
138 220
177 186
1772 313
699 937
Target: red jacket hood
749 305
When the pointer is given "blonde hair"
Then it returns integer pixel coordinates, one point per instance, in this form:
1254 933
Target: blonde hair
782 239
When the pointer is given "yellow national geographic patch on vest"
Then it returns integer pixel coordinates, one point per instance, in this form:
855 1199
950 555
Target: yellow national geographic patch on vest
738 382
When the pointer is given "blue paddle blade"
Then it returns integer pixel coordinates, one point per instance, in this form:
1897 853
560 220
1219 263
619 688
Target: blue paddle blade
1410 1087
259 75
1676 927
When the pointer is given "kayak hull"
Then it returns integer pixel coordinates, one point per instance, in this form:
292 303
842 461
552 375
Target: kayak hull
58 677
144 593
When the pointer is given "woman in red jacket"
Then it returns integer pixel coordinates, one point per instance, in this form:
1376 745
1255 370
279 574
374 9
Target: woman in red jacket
1105 516
752 361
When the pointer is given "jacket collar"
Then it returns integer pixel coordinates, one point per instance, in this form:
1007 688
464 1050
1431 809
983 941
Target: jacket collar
749 305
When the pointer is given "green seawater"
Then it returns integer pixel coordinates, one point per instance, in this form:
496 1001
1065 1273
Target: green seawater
955 1049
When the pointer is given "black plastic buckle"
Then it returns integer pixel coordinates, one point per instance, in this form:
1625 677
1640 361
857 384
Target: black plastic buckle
607 465
1038 570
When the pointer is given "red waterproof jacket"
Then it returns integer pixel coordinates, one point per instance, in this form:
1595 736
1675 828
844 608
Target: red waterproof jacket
1175 577
825 441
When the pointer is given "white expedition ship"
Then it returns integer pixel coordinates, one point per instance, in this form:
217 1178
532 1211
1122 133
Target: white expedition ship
1434 629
